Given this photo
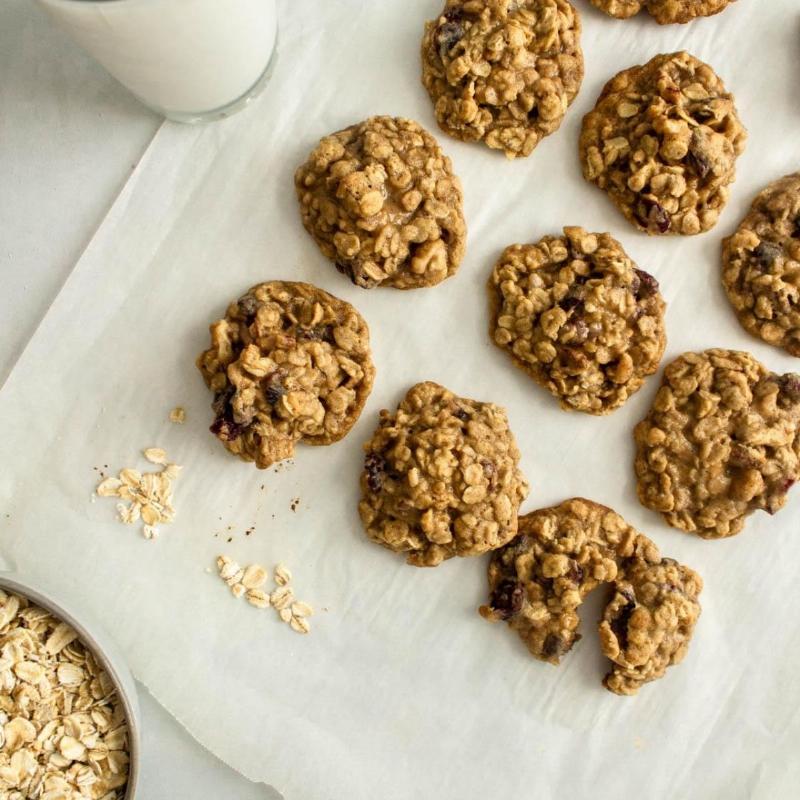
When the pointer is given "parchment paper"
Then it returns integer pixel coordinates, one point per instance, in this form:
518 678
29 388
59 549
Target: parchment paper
401 690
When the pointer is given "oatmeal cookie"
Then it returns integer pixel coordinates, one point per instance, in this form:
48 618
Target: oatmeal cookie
288 362
721 440
441 477
649 621
576 314
761 266
663 11
538 580
662 141
503 71
381 201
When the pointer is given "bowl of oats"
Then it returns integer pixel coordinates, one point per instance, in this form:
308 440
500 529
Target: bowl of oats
68 708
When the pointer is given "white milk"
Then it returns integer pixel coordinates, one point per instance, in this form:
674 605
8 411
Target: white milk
183 57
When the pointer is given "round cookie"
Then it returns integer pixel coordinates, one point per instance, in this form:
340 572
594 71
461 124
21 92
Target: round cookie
721 440
761 266
288 363
664 12
576 314
381 201
441 477
538 581
503 71
662 141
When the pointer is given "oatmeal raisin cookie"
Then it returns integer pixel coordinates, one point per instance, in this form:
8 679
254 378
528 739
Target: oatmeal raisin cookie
721 440
761 266
663 11
503 71
381 201
441 477
288 362
540 578
577 315
662 141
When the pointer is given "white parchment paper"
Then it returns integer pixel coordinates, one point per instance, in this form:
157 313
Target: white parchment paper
401 690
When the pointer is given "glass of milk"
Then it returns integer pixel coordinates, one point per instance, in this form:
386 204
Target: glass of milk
190 60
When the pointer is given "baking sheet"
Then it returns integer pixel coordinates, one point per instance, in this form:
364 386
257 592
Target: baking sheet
401 690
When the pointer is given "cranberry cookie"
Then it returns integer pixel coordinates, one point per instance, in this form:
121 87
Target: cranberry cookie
721 440
288 362
576 314
662 141
503 71
441 477
538 581
381 201
761 266
663 11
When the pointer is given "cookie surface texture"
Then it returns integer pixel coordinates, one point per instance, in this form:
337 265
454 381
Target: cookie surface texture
761 266
288 362
662 142
721 440
441 477
381 201
579 317
503 72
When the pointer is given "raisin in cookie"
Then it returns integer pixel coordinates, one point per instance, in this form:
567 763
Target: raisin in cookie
441 477
576 314
288 362
538 581
761 266
503 71
663 11
721 440
662 141
381 201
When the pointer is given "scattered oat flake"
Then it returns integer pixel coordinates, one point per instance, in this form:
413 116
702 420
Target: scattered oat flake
282 575
155 455
178 415
301 609
300 624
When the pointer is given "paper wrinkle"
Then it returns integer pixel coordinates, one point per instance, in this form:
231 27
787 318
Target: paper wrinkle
400 688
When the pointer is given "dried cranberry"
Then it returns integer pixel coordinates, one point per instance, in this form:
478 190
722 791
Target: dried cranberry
553 646
224 425
506 599
697 157
449 34
322 333
796 228
790 386
742 457
575 572
619 625
766 253
657 217
571 303
248 307
645 285
461 414
375 467
786 485
273 387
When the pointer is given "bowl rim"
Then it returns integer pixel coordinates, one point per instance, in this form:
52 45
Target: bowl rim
18 585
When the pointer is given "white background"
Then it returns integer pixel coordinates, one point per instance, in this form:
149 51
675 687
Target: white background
401 686
69 138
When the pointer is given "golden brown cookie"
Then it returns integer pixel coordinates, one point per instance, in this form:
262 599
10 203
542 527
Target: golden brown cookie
761 266
540 578
664 12
577 315
288 363
381 201
721 440
503 71
662 141
441 477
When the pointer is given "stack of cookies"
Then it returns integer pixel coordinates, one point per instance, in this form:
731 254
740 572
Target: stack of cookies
291 363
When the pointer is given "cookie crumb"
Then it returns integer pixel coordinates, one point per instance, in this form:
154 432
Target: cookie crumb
178 415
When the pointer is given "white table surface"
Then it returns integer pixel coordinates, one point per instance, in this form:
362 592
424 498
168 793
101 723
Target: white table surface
69 138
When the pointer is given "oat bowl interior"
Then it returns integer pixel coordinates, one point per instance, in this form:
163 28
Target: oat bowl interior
69 715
